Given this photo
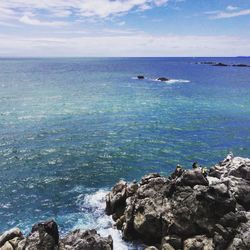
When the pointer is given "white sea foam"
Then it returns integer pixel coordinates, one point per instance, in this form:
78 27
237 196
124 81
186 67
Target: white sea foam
98 219
171 81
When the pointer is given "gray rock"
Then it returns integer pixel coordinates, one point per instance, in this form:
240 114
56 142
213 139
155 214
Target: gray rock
188 210
7 246
200 242
9 235
87 240
44 235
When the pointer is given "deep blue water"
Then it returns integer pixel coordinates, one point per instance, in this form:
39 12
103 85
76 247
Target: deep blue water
71 127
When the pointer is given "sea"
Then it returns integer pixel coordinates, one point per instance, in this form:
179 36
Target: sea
70 128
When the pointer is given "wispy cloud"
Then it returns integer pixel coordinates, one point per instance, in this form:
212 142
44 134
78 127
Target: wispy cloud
229 12
231 8
29 19
123 45
83 8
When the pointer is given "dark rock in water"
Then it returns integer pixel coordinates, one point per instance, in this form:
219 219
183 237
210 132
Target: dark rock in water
240 65
220 64
140 77
187 210
87 240
163 79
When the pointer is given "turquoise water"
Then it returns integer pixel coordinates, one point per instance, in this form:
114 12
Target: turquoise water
70 128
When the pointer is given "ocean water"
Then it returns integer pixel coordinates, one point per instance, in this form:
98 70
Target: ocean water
71 128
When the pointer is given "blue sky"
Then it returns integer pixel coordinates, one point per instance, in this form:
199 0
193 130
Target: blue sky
124 28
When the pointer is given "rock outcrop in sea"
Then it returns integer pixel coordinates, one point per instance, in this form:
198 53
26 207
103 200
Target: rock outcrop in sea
45 236
223 64
187 210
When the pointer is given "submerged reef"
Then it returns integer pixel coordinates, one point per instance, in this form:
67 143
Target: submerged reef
188 210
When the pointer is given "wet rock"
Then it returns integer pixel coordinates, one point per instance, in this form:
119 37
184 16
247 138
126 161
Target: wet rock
140 77
87 240
115 200
163 79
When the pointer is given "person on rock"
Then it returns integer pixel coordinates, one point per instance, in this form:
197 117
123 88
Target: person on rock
178 172
195 165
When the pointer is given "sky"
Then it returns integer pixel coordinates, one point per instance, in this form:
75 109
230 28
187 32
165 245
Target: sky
86 28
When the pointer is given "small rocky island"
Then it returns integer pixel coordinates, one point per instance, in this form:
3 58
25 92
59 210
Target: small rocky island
219 64
190 210
187 210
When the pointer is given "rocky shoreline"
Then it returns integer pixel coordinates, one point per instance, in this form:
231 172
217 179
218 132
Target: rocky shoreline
45 236
187 210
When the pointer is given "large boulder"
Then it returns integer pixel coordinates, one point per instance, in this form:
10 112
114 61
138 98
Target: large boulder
44 235
10 235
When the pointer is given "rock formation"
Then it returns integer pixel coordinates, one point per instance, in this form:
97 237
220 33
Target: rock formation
223 64
140 77
187 210
162 79
45 236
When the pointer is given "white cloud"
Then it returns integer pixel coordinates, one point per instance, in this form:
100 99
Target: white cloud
29 19
124 45
231 8
230 12
84 8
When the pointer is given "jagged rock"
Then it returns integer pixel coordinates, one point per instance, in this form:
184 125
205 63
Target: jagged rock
242 238
200 242
9 235
44 236
21 245
193 177
87 240
115 200
188 210
7 246
14 242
